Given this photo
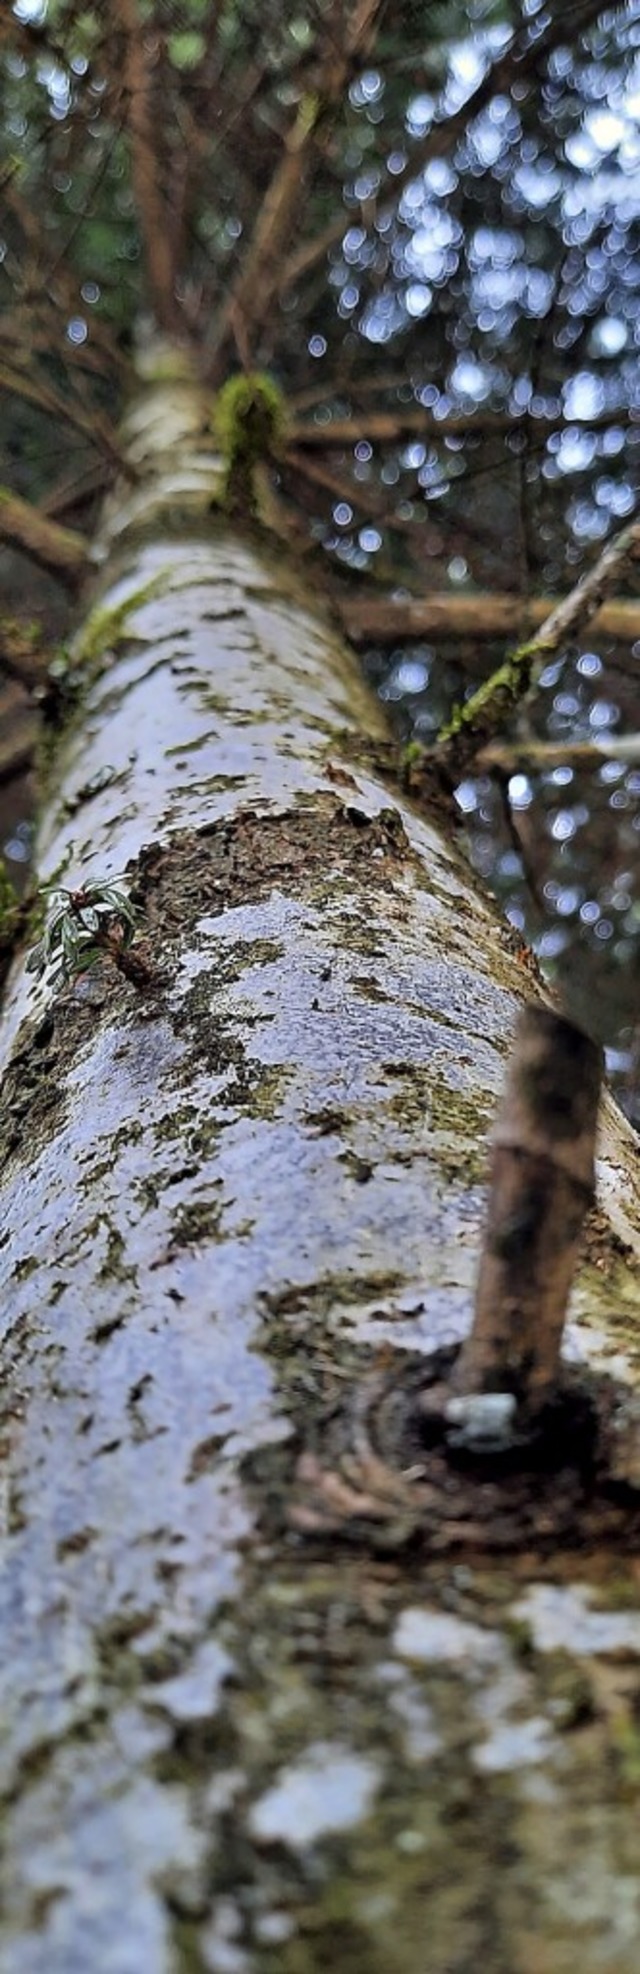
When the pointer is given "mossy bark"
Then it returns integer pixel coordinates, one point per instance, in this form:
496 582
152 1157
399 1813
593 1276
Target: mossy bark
223 1746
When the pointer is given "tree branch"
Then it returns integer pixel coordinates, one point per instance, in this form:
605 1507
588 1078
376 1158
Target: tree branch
252 293
54 283
143 128
370 500
443 614
571 616
538 755
390 427
93 426
18 741
60 551
259 280
510 67
485 713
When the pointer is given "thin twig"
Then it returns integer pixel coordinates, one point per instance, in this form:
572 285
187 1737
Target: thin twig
571 616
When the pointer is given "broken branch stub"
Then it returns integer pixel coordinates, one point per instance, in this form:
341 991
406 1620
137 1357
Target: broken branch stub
542 1179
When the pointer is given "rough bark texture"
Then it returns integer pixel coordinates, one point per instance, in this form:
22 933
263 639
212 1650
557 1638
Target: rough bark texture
224 1747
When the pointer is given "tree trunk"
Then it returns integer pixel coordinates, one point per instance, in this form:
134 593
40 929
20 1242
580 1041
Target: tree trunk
225 1744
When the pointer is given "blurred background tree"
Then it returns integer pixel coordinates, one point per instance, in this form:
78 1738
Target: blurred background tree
424 228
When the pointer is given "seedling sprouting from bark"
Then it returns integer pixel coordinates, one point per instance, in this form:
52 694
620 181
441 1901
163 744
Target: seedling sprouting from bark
96 922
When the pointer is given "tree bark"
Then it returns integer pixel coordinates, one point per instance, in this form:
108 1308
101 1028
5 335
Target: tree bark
224 1746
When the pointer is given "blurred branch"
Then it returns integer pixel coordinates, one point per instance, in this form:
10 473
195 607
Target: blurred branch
523 756
60 551
522 56
390 427
252 293
42 283
260 279
17 747
33 38
482 716
144 130
23 652
74 493
91 423
205 128
371 501
444 614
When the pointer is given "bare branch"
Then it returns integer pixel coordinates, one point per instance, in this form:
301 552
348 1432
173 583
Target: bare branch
54 285
17 747
390 427
142 124
259 280
370 500
63 553
443 614
252 293
537 755
74 493
206 128
92 424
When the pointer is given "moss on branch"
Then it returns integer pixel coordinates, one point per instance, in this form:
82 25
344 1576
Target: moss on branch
485 712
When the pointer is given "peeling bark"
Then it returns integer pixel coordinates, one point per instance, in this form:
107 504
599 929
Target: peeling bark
224 1745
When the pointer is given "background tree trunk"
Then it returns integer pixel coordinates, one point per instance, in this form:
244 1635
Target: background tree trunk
223 1746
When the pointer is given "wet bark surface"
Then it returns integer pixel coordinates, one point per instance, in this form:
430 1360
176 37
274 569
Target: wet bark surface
229 1742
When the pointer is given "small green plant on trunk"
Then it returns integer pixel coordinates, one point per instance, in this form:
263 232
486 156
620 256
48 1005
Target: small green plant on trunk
95 922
